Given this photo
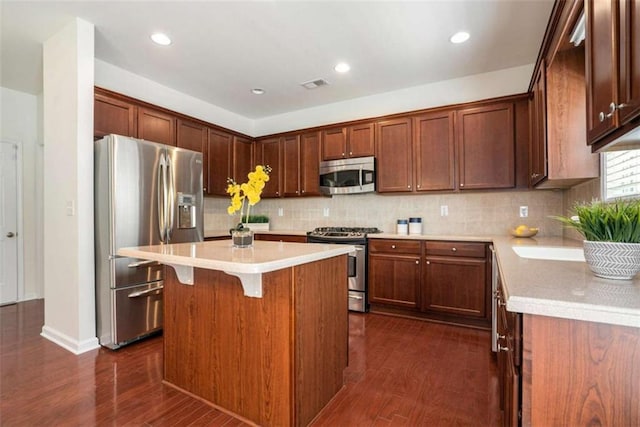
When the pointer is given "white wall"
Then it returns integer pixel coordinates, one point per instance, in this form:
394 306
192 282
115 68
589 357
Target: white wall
19 123
69 283
110 77
472 88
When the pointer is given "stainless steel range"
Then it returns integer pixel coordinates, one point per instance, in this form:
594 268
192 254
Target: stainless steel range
357 280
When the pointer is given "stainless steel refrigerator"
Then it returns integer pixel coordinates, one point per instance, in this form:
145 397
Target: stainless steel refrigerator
145 194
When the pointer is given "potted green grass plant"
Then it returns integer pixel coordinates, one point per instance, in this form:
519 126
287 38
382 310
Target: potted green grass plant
256 222
612 236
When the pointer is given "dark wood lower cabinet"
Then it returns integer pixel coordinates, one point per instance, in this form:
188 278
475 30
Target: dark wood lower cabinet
281 237
435 280
455 286
509 329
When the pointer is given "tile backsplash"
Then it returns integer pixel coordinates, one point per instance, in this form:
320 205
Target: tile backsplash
490 213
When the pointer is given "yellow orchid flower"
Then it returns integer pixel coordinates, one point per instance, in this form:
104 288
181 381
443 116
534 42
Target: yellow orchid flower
250 190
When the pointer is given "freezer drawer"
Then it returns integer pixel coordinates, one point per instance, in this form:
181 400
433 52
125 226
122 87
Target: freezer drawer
134 313
132 271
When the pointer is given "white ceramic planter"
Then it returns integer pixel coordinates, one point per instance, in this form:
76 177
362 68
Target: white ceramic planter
610 260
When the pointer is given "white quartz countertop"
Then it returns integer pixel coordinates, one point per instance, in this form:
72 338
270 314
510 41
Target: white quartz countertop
565 289
263 257
430 237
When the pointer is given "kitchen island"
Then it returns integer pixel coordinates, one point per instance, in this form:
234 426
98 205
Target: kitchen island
262 332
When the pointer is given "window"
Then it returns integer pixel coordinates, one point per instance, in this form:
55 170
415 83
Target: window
621 172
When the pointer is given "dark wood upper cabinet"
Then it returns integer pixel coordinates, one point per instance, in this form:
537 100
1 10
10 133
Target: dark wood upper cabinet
434 151
268 154
242 158
299 163
219 162
394 167
156 126
114 116
602 66
334 143
538 117
345 142
486 147
613 68
360 140
291 165
559 156
194 136
310 164
629 51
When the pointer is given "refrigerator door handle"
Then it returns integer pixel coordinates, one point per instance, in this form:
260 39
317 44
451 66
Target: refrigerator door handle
170 199
162 222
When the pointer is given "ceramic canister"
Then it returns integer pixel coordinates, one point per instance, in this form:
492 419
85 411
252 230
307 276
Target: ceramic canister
402 227
415 225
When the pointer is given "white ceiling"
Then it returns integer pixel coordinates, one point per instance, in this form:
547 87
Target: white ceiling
221 49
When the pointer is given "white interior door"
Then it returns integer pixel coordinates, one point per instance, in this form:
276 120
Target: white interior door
8 223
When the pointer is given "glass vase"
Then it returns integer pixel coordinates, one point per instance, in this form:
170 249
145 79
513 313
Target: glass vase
242 238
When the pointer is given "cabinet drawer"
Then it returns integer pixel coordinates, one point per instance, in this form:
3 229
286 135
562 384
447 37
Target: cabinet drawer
395 246
464 249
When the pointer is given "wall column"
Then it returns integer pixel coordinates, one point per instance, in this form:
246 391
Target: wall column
69 290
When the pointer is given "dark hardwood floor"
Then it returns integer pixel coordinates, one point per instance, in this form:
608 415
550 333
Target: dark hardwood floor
402 373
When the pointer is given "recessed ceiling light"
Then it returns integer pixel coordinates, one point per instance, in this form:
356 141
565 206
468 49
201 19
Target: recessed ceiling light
257 91
342 67
459 37
161 39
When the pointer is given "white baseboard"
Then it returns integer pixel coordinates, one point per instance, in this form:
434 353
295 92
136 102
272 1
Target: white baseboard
68 343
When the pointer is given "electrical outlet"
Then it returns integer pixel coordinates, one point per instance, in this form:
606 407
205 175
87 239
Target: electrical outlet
444 210
325 212
280 212
524 211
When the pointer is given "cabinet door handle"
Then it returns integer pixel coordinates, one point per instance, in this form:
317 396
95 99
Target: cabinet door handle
454 250
612 109
393 246
501 337
417 262
351 153
501 348
461 184
428 262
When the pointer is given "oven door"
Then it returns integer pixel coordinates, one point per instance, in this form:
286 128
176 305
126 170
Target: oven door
356 269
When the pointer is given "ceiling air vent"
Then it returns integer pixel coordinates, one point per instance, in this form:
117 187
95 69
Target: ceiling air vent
312 84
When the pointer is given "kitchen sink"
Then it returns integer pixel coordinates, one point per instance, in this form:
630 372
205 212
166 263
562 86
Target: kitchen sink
554 253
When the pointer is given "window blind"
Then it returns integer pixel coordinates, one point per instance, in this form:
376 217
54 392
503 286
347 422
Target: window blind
621 174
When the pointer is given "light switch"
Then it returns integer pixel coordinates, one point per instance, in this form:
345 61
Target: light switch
444 210
71 208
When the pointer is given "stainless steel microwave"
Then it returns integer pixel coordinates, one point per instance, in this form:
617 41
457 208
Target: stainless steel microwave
348 176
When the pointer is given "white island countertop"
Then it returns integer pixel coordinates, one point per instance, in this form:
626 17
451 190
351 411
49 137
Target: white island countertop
565 289
246 263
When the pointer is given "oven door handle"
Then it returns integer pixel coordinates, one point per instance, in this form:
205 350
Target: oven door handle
358 297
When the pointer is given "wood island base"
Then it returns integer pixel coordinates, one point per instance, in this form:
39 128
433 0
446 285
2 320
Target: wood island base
274 361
